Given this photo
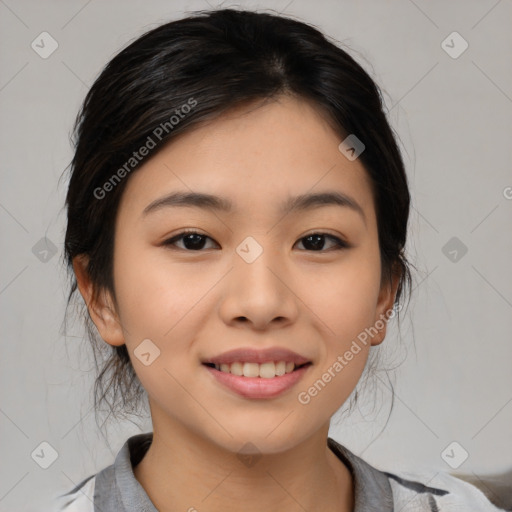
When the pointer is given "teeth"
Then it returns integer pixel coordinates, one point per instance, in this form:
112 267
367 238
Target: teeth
251 370
265 371
237 369
281 368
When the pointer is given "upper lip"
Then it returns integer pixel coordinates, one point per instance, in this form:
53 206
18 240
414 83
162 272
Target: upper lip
251 355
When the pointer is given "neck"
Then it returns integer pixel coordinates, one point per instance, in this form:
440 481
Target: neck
182 471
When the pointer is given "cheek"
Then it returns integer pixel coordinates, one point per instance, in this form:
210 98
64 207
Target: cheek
154 295
344 297
159 303
165 303
344 301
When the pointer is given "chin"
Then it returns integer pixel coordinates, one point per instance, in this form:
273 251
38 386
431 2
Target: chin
254 440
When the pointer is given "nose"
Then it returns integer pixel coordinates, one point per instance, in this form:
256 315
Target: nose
259 293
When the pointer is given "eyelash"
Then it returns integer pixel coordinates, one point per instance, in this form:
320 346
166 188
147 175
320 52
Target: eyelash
340 244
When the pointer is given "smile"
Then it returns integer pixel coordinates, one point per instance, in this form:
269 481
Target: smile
250 386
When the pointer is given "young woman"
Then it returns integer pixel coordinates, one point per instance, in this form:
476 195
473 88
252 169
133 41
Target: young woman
237 218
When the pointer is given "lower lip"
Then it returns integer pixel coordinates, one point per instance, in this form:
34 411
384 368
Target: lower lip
257 387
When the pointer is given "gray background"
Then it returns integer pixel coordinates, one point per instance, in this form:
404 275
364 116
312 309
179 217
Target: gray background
453 118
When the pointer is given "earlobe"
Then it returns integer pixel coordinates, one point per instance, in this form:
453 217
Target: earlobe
99 305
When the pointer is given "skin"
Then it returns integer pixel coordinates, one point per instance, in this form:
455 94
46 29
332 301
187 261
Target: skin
194 304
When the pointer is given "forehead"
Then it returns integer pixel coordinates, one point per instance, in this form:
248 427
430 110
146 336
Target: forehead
256 156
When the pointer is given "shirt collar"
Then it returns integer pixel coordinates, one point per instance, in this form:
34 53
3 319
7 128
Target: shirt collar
371 487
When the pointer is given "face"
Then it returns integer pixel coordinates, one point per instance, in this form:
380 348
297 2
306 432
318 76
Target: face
255 276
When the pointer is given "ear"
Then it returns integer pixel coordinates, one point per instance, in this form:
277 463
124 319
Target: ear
385 303
100 305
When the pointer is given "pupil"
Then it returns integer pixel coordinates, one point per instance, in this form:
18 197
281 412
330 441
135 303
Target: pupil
318 241
197 241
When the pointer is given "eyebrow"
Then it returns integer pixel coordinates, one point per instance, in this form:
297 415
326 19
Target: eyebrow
211 202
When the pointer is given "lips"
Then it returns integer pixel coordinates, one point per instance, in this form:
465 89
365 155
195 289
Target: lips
249 355
258 374
258 387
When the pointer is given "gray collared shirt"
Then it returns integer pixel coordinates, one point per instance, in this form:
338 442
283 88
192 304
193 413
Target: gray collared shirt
115 488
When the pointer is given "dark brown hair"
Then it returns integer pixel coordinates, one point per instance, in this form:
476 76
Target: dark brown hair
220 59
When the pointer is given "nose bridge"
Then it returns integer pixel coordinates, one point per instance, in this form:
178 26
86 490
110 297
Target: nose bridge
257 262
257 289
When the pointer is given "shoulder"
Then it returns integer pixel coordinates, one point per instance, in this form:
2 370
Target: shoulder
441 492
107 489
80 498
423 490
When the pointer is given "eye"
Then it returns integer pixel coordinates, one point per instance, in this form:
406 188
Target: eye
316 242
194 241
